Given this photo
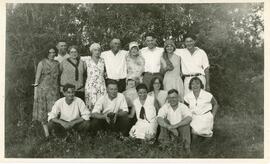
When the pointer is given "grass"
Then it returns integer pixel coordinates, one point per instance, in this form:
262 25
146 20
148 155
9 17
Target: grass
235 136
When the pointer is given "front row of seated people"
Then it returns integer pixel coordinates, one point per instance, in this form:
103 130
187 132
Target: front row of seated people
113 112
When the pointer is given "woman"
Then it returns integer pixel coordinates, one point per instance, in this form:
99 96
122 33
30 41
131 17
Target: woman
46 88
72 71
95 83
203 106
145 108
156 90
170 66
135 63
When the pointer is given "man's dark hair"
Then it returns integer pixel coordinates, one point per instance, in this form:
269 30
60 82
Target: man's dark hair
190 35
141 86
67 86
150 34
172 91
110 81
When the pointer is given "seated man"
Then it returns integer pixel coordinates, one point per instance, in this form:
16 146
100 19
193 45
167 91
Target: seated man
69 112
111 111
174 119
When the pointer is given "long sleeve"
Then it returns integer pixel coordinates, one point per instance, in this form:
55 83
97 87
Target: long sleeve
98 105
84 111
55 111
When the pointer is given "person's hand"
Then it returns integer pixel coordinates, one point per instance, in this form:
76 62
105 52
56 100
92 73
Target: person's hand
175 132
35 85
107 118
114 118
66 125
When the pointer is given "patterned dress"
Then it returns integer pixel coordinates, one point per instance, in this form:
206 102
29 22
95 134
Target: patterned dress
47 92
95 82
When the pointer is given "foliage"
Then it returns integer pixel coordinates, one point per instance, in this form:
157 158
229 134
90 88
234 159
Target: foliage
231 35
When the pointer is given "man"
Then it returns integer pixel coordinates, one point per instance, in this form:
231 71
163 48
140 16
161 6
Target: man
115 63
111 111
174 119
62 51
69 112
152 56
194 62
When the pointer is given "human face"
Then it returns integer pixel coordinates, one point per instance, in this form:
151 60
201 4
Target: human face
112 91
134 51
195 85
115 45
142 93
96 52
51 54
150 42
69 94
131 84
190 43
73 53
173 99
62 47
156 84
169 49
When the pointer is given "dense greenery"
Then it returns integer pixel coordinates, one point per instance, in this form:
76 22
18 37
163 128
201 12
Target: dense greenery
231 34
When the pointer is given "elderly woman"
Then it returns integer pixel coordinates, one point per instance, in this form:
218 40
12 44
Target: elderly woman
72 71
203 107
145 108
156 90
95 83
46 88
170 66
135 63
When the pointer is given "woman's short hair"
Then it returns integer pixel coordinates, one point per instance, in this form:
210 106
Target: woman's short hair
141 86
54 48
153 81
67 86
193 79
172 91
72 47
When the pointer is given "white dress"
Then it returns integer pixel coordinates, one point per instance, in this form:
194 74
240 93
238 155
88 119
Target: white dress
145 128
202 118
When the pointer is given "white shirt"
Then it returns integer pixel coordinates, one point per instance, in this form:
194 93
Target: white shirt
202 104
195 63
60 58
174 116
70 112
116 66
152 59
105 105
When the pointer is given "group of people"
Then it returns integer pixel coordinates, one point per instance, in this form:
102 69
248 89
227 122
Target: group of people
149 93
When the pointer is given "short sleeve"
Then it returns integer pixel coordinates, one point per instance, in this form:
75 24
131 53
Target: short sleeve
185 111
162 112
205 61
179 51
98 105
123 104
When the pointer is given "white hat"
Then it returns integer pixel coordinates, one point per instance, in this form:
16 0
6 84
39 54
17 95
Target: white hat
133 44
94 46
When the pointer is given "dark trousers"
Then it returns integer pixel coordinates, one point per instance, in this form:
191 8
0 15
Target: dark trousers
147 77
122 124
57 129
121 84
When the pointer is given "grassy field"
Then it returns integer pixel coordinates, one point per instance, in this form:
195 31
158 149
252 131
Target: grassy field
235 136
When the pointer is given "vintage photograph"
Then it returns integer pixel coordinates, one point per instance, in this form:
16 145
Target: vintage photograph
132 80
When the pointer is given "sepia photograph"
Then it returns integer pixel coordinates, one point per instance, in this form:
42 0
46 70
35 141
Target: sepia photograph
134 80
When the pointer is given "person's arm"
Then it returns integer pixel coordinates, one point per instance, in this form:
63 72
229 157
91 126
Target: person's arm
76 121
53 116
65 124
162 123
96 113
163 66
132 112
183 122
207 84
84 72
38 74
215 106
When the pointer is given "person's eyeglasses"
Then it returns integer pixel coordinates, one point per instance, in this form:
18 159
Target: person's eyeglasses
157 83
52 52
